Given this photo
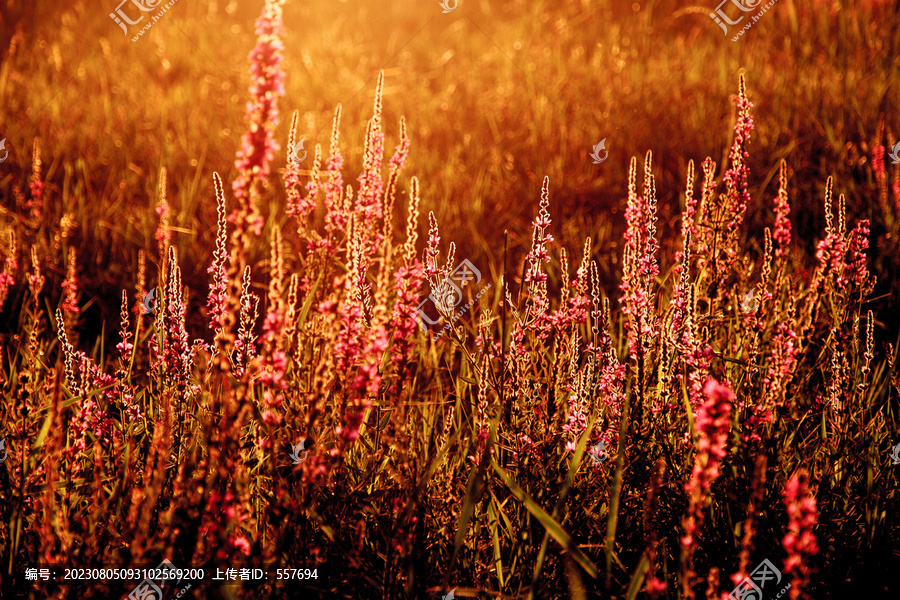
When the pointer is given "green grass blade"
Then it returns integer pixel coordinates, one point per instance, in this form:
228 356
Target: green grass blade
553 528
308 302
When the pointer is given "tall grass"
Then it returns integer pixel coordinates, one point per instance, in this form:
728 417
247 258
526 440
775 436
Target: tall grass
724 401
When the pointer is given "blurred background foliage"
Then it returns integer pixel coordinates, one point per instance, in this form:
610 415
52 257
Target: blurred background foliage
496 95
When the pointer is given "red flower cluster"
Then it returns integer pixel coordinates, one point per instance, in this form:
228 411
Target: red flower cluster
713 422
799 542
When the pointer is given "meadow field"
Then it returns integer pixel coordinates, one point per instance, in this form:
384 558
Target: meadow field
449 299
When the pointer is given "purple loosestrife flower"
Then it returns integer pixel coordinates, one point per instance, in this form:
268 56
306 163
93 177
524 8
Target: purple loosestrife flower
217 300
800 543
855 262
91 416
258 145
683 257
125 347
368 380
408 278
364 385
575 302
431 249
297 205
349 344
335 216
610 390
36 184
371 187
163 233
734 200
781 360
243 345
843 256
70 289
539 239
10 266
398 160
782 232
175 354
272 357
713 422
535 277
639 262
830 251
408 285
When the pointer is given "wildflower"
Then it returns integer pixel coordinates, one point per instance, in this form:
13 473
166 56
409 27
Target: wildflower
855 262
240 543
656 586
371 186
335 216
842 257
535 278
163 234
258 145
639 262
350 339
10 266
782 232
36 184
243 345
218 286
781 362
173 354
272 359
713 422
756 495
574 301
297 205
830 250
716 241
398 160
800 543
368 378
431 249
125 347
526 444
70 289
407 284
683 258
734 200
